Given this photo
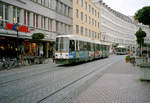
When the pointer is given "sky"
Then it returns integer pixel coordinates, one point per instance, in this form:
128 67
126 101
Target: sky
127 7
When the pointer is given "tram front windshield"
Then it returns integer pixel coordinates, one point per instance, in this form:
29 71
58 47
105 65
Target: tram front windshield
62 44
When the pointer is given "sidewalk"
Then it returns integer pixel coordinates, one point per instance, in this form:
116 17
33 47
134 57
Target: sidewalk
120 84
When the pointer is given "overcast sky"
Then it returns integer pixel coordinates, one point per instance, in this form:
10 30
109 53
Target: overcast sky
127 7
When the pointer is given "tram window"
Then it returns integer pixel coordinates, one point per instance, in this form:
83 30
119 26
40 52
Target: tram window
57 42
97 46
88 46
80 45
92 47
85 46
72 45
77 43
62 44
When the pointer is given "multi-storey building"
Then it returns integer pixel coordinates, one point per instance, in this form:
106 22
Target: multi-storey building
49 17
86 18
115 27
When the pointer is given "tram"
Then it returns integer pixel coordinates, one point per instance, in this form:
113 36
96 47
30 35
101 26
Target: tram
74 49
121 50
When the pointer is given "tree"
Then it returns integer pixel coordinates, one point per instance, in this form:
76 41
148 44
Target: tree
140 38
37 36
143 15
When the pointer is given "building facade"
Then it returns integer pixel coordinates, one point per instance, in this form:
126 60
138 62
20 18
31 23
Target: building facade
86 18
20 19
115 27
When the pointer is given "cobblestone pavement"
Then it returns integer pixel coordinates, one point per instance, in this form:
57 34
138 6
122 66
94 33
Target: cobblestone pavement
45 83
120 84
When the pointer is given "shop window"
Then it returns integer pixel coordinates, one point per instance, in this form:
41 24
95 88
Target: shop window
1 10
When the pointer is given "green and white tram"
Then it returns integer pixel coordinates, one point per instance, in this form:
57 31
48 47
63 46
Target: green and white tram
73 49
121 50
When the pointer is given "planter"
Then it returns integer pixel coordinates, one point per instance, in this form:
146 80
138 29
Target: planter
145 71
140 60
127 59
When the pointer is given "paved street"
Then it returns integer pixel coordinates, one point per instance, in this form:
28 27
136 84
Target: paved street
48 82
51 83
120 84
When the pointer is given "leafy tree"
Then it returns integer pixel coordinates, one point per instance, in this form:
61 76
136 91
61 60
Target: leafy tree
140 37
143 15
37 36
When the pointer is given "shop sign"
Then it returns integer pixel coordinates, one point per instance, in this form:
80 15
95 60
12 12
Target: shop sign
14 27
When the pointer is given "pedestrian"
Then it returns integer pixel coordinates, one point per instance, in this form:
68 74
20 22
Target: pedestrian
53 54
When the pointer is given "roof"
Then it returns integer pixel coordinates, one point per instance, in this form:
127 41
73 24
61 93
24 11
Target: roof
75 37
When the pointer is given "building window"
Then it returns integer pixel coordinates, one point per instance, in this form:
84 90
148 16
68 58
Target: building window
85 31
93 11
14 15
37 21
92 21
41 21
77 13
28 17
57 5
56 26
95 23
82 16
25 22
98 14
89 33
49 3
6 12
1 11
77 29
43 2
89 8
98 24
34 19
81 30
85 5
65 10
18 15
89 20
77 1
85 17
81 3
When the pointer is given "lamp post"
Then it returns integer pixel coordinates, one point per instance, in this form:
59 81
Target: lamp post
17 25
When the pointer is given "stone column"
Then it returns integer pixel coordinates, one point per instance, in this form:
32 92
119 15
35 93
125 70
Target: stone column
63 28
46 23
39 21
21 16
10 13
31 19
53 25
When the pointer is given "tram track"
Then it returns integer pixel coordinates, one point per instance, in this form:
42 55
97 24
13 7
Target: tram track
31 75
73 82
63 85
